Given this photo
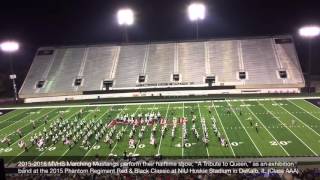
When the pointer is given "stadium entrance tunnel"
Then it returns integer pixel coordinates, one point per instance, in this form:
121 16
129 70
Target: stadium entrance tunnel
40 84
107 84
210 80
78 82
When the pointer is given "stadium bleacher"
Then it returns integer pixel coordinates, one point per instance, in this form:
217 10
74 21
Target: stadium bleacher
192 62
130 65
160 62
98 67
249 64
225 60
260 70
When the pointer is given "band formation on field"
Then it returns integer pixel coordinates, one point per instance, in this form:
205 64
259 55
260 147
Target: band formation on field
260 128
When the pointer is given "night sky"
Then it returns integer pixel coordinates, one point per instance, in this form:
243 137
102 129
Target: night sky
36 23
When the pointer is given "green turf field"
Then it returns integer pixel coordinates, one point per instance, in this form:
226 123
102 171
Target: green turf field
284 128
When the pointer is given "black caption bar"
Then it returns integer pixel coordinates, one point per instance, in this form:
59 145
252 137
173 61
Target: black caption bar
153 167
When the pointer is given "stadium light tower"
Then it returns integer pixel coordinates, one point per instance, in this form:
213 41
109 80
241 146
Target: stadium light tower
10 47
309 32
196 12
125 19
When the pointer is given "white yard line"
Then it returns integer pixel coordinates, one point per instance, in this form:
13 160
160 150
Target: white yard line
182 140
90 113
223 128
36 119
72 115
124 129
138 108
297 119
115 145
244 128
11 116
312 103
266 129
203 129
288 129
22 119
33 129
96 141
44 150
134 152
161 134
304 109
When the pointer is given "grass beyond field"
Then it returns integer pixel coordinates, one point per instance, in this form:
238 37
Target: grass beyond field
261 128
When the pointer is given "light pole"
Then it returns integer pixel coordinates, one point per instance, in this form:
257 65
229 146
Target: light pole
309 32
196 12
10 47
125 18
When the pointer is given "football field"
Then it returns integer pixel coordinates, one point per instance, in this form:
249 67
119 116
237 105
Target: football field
234 128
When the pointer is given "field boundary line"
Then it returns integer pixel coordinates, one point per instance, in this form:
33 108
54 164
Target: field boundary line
203 129
28 123
298 119
99 105
223 128
266 129
24 118
313 104
160 102
304 110
13 116
244 128
288 128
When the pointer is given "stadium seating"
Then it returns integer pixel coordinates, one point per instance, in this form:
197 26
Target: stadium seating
224 60
53 69
37 72
191 58
63 72
263 62
130 65
160 64
260 62
99 66
289 61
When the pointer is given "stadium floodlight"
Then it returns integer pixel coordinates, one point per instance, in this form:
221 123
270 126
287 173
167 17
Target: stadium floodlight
196 11
125 17
9 46
309 31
